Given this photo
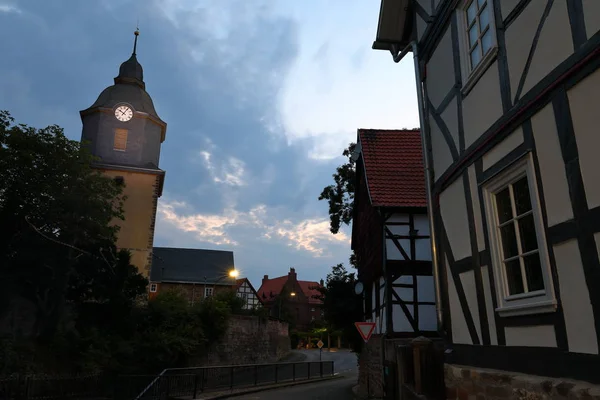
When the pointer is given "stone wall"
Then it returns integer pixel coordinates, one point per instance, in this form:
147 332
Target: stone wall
466 383
370 368
250 340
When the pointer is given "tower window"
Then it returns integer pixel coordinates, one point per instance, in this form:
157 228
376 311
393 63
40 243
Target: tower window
120 139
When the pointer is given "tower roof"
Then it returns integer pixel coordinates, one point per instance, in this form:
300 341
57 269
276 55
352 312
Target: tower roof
131 71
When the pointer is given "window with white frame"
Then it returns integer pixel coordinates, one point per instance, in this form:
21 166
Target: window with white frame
518 244
153 288
208 292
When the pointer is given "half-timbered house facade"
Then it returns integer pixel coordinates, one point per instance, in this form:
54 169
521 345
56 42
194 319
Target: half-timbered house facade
390 233
246 291
509 101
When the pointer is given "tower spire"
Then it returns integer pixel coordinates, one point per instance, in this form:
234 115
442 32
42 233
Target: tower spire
136 33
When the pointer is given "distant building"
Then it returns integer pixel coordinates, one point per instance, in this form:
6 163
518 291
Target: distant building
297 297
198 273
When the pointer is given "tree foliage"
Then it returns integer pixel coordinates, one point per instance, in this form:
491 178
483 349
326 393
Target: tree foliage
340 195
341 306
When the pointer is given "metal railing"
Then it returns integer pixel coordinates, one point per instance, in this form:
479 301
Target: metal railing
44 387
180 382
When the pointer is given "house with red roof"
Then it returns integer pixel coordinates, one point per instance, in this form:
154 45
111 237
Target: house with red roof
390 234
287 296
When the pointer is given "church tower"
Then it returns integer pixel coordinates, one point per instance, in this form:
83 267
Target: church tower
124 131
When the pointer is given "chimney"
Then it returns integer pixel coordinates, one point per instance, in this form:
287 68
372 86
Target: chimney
265 278
321 282
292 274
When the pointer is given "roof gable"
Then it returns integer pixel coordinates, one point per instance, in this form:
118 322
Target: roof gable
393 167
191 265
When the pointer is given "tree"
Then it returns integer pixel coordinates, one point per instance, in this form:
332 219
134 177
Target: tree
57 243
340 195
341 306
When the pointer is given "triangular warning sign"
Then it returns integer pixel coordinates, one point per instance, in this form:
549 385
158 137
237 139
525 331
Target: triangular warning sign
365 329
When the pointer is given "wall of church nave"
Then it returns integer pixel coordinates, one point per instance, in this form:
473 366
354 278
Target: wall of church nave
137 230
453 210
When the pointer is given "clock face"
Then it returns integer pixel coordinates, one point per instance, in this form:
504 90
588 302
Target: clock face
123 113
358 288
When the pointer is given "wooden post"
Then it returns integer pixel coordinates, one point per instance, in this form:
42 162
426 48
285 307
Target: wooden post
420 345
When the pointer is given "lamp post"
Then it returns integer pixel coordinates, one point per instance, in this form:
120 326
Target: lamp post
233 273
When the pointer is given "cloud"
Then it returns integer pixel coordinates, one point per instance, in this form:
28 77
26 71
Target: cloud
9 8
230 172
258 224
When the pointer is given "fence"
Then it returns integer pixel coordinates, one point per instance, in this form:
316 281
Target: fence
182 382
42 387
421 370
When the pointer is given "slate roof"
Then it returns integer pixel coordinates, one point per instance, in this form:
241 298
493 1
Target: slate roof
275 285
170 264
393 163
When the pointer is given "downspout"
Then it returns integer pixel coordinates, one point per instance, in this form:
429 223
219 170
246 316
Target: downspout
428 179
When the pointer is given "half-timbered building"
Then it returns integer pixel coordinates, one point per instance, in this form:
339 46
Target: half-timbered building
246 291
509 95
390 233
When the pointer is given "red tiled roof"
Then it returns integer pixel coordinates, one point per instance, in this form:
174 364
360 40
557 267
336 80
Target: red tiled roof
275 285
393 162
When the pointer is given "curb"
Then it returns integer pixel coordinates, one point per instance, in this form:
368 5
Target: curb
266 388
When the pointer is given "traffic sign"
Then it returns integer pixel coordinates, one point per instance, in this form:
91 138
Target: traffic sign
320 344
365 329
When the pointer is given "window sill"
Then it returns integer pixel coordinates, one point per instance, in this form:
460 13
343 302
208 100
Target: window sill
478 72
539 307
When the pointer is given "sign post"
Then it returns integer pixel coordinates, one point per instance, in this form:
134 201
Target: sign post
320 345
365 329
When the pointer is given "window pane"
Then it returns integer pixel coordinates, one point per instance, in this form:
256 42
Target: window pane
514 278
533 272
522 199
527 233
503 205
475 56
484 18
486 41
473 35
509 241
471 12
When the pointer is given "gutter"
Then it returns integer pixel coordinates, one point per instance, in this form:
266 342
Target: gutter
412 46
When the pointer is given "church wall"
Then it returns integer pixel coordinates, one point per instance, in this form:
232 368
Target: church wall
137 230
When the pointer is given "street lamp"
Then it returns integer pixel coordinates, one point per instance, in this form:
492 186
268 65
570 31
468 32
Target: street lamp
234 273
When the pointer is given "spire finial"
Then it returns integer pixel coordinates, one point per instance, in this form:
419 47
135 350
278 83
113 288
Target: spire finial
136 33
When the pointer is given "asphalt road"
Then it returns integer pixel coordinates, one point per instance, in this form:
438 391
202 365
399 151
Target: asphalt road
338 389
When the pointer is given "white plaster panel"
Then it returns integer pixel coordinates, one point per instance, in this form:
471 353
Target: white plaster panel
552 167
382 291
405 294
519 38
423 249
468 283
553 45
398 218
405 280
584 99
425 289
489 305
453 208
440 70
421 26
591 13
507 6
403 230
460 332
399 319
502 149
392 252
450 117
482 106
426 4
436 4
480 234
427 318
421 222
441 156
575 298
530 336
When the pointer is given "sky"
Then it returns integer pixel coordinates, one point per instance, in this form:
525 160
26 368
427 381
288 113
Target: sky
260 98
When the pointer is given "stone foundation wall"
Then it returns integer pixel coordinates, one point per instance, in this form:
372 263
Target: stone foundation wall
370 368
469 383
250 340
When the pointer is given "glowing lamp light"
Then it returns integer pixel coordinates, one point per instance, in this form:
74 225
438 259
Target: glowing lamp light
293 294
234 273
